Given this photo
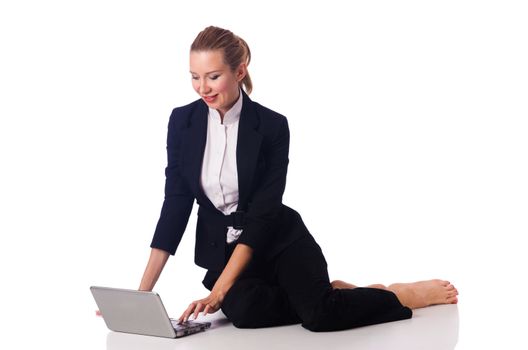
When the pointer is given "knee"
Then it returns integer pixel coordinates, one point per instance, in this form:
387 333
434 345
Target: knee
319 317
240 306
333 312
241 314
316 322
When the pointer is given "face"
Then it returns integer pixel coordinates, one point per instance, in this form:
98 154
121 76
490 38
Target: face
214 81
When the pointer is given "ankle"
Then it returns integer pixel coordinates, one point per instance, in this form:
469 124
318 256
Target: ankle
404 294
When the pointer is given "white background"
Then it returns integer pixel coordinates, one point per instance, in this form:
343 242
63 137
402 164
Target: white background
408 155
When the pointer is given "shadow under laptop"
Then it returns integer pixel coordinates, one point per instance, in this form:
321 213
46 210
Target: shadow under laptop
126 341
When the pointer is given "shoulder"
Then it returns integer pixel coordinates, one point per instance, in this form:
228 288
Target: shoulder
269 119
181 116
267 113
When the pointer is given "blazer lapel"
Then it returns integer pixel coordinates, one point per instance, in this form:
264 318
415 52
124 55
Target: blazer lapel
247 151
193 148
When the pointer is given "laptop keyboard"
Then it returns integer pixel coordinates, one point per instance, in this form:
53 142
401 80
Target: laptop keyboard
183 325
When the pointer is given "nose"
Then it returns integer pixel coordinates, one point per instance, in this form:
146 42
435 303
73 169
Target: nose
203 88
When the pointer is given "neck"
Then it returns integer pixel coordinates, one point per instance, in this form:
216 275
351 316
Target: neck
223 112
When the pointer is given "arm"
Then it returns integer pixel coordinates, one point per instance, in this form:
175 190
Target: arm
155 265
178 202
235 266
175 211
266 200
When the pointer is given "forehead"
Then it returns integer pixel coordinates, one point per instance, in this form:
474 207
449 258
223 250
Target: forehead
207 61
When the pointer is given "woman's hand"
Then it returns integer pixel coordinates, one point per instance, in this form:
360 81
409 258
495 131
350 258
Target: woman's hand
237 263
208 305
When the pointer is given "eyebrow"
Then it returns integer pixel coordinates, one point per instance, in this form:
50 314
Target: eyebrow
211 72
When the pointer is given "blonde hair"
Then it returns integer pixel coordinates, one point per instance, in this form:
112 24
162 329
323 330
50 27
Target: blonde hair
234 48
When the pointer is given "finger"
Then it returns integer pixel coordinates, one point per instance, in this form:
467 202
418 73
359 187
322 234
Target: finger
207 308
199 307
187 312
182 318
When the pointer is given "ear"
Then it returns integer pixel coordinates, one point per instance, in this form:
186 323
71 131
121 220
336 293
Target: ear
241 72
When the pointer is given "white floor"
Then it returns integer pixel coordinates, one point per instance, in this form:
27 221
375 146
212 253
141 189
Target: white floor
434 329
443 327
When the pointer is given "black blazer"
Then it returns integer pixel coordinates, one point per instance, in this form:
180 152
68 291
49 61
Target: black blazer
262 162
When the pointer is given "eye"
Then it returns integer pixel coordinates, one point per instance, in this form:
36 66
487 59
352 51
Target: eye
194 77
214 77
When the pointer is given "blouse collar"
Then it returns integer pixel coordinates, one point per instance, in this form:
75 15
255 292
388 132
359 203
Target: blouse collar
231 116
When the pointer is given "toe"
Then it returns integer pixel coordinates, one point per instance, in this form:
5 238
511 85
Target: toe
451 294
452 300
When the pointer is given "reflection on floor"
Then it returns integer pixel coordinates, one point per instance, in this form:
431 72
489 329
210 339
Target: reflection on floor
432 328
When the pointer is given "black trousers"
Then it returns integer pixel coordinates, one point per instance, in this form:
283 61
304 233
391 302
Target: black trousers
295 288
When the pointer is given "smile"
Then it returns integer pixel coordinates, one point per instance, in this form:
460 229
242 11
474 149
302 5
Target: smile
209 98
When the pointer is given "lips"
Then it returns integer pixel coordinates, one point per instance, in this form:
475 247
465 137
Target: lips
209 99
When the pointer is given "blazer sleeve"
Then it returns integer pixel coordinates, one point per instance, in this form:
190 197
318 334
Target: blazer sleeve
179 200
266 201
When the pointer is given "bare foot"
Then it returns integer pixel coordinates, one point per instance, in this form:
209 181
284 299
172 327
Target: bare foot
338 284
425 293
377 286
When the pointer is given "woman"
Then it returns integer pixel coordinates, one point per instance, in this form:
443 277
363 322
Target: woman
230 154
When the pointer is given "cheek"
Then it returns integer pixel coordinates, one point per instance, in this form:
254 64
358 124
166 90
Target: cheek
221 86
196 85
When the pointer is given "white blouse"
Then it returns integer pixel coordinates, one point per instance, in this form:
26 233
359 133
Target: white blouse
219 177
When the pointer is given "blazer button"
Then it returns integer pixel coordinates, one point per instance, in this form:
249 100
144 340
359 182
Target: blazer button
213 244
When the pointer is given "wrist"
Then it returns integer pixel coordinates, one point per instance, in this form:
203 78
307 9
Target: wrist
221 289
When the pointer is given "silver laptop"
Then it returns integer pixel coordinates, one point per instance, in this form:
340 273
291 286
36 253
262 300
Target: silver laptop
132 311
